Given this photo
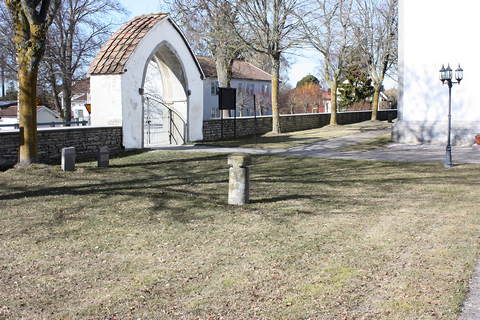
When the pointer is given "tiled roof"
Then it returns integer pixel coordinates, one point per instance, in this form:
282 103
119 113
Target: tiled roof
81 86
115 53
81 90
240 70
9 112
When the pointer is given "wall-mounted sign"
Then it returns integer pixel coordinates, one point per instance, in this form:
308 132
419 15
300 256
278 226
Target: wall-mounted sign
227 98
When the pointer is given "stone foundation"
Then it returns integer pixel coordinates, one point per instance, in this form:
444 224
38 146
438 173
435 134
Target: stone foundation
417 132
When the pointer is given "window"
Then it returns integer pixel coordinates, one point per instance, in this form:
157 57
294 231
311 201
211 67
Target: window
265 89
214 87
215 113
327 106
251 88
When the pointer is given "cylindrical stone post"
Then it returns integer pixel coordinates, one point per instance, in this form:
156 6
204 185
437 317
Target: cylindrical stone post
238 185
68 159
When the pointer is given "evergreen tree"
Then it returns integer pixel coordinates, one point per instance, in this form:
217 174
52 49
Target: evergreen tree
357 86
307 79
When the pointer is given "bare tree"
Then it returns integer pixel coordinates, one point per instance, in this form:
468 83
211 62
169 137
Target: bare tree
376 32
8 64
31 20
78 31
269 27
206 23
328 28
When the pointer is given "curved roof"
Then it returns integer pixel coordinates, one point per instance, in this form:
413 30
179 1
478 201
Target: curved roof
114 55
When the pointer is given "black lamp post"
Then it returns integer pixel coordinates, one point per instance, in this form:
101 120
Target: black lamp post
446 77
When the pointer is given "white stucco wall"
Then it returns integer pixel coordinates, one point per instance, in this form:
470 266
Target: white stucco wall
106 99
432 33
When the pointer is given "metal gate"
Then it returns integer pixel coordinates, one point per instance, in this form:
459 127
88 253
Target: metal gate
162 124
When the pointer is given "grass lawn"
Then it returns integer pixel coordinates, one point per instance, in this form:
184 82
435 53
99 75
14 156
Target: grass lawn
152 238
298 138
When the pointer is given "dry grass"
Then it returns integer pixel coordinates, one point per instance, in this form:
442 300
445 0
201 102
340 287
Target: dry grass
152 238
299 138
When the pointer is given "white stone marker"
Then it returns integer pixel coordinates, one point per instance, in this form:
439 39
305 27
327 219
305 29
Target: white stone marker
238 185
68 159
103 157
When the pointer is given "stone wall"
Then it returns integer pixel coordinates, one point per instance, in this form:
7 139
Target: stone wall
86 141
212 129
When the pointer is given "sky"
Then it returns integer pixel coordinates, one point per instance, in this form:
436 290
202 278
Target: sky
303 62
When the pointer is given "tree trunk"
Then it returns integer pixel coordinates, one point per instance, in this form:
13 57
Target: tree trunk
27 116
67 100
224 74
333 101
275 86
376 99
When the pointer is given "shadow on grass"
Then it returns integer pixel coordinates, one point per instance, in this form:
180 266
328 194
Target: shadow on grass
261 139
163 162
280 198
184 188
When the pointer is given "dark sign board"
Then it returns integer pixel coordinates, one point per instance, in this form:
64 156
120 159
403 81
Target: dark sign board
227 98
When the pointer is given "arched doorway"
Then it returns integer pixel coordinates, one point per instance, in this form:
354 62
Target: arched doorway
165 104
147 80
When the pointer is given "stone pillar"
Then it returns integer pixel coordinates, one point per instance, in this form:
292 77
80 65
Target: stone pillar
103 157
68 159
238 185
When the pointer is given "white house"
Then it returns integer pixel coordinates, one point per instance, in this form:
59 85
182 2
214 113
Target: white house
80 102
247 79
433 33
9 116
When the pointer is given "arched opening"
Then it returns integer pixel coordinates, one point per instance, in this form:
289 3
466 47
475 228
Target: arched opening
148 57
165 103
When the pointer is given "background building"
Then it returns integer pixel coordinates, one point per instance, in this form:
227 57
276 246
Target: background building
248 79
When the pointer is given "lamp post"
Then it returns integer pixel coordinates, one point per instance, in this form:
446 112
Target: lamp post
446 77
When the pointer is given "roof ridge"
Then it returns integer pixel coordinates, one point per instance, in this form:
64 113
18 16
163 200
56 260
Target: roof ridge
257 68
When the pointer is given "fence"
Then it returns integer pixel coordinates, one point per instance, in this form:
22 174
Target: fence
15 126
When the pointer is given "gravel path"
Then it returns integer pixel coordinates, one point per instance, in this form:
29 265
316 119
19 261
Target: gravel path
328 149
471 307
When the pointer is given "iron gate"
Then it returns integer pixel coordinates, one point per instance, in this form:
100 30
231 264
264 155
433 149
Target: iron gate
163 125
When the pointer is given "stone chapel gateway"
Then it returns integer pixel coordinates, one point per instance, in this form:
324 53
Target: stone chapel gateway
147 80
